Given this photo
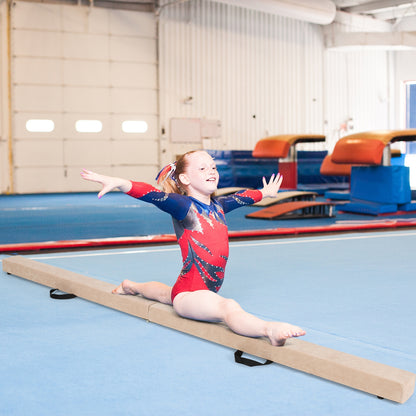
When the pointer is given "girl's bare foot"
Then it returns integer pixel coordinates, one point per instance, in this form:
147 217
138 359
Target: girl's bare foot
125 288
279 332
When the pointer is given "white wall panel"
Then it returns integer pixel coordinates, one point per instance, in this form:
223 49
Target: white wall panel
81 63
85 153
86 99
37 16
126 100
86 73
357 93
85 20
38 98
37 73
38 179
125 23
125 74
38 153
128 152
257 73
85 46
132 49
37 43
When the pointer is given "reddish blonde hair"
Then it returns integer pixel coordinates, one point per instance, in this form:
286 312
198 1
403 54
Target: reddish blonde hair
169 180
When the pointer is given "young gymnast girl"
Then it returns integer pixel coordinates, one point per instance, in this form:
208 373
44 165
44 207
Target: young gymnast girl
202 234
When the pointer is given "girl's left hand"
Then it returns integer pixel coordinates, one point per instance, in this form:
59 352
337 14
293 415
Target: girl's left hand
271 188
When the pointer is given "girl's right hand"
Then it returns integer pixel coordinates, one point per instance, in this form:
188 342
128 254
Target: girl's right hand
108 182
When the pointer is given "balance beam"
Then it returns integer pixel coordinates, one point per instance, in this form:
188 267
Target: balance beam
361 374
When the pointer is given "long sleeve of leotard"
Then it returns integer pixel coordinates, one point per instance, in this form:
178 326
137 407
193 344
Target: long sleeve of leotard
239 199
174 204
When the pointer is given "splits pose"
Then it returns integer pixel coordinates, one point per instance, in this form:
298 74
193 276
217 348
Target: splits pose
202 234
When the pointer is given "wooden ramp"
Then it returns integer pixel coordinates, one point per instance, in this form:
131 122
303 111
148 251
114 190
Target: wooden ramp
369 376
294 210
287 196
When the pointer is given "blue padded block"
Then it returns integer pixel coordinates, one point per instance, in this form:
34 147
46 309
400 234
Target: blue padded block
410 206
342 196
370 208
381 184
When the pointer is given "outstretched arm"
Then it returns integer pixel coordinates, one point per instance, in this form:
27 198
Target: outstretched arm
271 188
108 183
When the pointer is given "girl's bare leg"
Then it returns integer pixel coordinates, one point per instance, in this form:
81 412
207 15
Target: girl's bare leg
150 290
204 305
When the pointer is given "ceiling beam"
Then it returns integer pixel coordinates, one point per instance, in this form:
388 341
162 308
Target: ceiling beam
375 5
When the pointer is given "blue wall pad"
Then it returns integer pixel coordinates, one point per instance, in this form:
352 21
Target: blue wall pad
369 208
381 184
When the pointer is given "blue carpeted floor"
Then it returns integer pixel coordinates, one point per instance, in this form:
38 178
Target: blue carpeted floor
354 293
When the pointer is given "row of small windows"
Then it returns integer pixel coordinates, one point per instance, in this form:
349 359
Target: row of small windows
86 126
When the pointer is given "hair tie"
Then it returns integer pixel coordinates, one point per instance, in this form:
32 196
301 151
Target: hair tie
167 172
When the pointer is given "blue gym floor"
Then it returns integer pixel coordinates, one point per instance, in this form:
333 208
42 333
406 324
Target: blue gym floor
351 292
82 216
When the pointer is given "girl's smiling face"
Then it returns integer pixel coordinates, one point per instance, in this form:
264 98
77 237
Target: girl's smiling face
200 177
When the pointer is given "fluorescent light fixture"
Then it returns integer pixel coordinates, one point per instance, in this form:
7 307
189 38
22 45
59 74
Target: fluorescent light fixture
88 126
134 126
40 126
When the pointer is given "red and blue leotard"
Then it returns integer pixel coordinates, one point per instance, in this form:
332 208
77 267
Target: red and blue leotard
201 231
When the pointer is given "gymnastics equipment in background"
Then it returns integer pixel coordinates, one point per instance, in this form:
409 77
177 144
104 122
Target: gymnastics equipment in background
376 186
369 376
283 147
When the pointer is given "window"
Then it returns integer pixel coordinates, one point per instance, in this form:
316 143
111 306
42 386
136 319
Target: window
411 105
40 126
410 158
